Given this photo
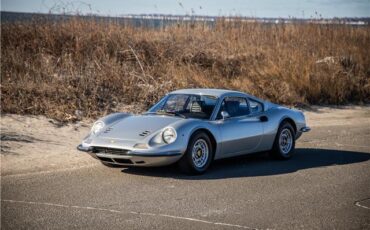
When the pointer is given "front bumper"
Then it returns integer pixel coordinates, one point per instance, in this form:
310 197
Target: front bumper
305 129
80 147
301 131
134 158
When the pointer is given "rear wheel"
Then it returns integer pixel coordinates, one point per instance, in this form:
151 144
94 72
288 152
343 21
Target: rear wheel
198 155
284 144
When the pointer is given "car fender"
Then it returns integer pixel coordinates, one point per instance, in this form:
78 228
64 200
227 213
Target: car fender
113 118
188 127
110 120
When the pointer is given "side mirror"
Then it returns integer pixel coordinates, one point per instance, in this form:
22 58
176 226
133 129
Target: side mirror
225 115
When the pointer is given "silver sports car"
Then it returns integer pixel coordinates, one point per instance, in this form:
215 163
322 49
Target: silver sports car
193 127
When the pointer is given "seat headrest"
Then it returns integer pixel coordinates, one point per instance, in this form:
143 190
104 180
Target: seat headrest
196 107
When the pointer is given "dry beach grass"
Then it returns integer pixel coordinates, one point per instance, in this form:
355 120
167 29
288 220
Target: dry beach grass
77 68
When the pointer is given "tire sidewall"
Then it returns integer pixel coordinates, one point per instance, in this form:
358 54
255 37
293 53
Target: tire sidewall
277 149
188 155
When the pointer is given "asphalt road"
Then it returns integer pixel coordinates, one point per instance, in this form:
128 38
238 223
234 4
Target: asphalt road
326 185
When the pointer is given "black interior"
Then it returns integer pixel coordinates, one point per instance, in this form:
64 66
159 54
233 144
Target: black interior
198 109
234 109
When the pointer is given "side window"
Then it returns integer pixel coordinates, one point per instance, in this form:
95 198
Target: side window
255 106
234 106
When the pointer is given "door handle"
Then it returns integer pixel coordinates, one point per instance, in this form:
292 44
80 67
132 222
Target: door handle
264 118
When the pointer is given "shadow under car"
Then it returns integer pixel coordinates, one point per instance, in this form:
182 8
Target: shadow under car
260 164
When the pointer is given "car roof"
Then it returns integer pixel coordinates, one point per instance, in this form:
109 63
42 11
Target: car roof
201 91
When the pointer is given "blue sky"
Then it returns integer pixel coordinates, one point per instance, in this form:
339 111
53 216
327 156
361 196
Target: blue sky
254 8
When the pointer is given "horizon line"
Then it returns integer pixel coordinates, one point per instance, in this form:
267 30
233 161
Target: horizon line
179 15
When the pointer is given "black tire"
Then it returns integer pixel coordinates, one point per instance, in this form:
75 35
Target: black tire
186 163
277 151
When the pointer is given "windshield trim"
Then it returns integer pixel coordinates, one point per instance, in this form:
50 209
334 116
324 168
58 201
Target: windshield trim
161 103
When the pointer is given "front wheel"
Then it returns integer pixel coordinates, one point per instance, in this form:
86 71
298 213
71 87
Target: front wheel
198 156
284 144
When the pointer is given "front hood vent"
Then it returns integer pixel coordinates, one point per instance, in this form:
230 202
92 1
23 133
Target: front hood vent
145 133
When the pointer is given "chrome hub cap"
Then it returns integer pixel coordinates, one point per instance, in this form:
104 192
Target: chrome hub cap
200 153
285 141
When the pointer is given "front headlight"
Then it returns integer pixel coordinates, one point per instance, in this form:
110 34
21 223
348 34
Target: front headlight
169 135
97 127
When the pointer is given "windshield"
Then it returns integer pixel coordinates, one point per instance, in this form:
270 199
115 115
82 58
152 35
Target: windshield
186 105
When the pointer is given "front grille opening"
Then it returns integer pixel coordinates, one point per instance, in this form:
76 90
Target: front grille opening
110 151
123 161
140 162
105 159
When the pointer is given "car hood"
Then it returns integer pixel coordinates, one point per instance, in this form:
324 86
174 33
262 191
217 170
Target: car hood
137 127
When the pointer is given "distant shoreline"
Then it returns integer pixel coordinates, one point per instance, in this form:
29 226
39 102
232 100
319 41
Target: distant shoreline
156 20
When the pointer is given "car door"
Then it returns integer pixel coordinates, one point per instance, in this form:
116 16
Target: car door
241 132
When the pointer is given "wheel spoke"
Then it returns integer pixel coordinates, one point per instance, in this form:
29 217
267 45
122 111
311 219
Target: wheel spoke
285 141
200 153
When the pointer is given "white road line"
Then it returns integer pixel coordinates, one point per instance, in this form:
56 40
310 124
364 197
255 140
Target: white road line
349 145
48 171
324 142
131 212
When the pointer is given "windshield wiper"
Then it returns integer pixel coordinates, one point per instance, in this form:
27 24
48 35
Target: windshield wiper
175 113
163 112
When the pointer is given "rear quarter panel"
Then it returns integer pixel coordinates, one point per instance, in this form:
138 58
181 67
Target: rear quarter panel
276 115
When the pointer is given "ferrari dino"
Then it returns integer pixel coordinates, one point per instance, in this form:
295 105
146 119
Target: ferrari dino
193 127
